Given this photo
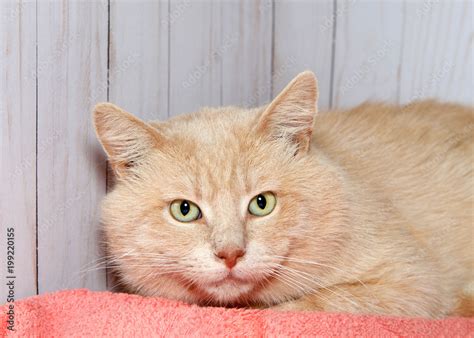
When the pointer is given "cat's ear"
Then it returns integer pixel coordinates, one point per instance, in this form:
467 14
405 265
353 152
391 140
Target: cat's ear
125 138
290 115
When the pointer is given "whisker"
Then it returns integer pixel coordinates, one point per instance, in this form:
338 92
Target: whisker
301 274
302 261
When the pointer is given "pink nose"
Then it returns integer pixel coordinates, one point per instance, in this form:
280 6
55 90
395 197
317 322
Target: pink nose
230 256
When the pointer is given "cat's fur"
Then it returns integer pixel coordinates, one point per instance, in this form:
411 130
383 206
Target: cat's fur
374 208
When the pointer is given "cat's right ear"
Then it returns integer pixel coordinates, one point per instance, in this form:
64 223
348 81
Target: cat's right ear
291 114
125 138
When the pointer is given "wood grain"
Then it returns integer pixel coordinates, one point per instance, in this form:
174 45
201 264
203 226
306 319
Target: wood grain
437 56
303 40
72 77
18 143
246 52
162 58
367 51
138 64
196 51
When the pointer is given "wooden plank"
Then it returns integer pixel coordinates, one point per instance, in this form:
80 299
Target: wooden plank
18 144
72 77
437 58
246 52
138 62
367 51
195 55
303 40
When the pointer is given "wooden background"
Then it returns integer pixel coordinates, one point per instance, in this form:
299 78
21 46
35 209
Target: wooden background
162 58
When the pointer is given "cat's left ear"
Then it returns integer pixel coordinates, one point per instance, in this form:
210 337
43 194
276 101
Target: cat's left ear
126 139
291 114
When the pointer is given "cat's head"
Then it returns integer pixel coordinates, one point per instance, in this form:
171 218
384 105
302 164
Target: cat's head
222 206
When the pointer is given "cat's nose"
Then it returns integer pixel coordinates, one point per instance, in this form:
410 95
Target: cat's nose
230 255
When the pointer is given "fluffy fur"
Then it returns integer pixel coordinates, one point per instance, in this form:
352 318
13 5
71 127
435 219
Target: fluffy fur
374 208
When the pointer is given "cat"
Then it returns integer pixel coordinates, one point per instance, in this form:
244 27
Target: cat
367 210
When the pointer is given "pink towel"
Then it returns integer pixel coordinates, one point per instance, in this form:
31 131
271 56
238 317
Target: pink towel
85 313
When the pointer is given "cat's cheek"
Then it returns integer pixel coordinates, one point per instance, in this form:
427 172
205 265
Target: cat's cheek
203 266
257 263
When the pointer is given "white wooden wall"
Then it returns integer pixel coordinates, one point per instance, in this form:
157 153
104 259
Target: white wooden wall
162 58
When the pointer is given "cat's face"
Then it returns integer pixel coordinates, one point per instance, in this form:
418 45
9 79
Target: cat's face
220 206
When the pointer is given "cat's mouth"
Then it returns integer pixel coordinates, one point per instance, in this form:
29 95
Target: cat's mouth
230 279
228 289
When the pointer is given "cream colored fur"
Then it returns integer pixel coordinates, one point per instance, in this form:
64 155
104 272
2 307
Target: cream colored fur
374 208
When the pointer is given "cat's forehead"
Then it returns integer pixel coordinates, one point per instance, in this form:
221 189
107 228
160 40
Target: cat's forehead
217 149
211 125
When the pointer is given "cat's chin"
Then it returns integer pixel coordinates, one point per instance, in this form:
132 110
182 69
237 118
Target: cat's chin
228 290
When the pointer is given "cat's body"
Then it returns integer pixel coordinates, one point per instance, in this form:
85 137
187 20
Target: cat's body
374 206
416 161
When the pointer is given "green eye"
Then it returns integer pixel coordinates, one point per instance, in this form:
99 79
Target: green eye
185 211
262 204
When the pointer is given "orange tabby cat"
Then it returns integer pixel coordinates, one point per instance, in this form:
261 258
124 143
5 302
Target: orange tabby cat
368 210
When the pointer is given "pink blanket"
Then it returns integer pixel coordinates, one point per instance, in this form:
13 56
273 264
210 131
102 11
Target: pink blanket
85 313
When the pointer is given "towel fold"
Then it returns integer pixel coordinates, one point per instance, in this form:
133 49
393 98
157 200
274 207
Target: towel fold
85 313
